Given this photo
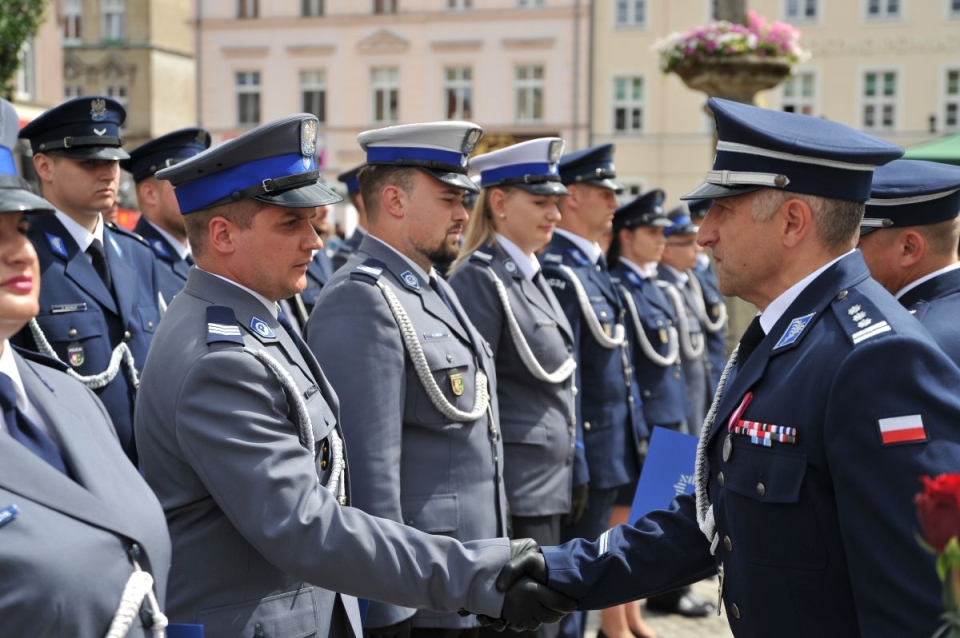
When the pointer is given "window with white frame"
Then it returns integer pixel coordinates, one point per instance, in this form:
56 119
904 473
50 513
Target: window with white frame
385 94
26 72
311 8
630 13
799 93
458 92
628 104
530 4
879 100
72 90
72 21
801 10
883 9
384 6
528 88
313 93
114 14
631 190
459 5
248 9
248 98
951 106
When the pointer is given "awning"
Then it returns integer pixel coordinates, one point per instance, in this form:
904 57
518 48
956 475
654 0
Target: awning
945 149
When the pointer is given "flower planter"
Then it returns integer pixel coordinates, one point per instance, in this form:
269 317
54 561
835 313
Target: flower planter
734 78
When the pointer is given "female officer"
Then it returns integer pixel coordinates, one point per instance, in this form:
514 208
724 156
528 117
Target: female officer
84 549
497 279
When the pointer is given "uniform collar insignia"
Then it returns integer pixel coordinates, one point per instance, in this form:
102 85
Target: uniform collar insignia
261 328
794 330
410 280
578 257
633 278
57 245
159 248
510 266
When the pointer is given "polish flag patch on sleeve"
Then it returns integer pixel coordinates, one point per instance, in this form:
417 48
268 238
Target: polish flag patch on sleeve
902 429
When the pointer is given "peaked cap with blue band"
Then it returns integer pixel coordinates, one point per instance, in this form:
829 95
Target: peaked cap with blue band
530 165
680 222
592 165
762 148
350 179
82 128
912 193
164 151
645 210
439 149
15 195
274 163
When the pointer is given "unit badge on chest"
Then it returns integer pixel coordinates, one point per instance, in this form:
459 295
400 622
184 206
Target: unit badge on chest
75 354
456 383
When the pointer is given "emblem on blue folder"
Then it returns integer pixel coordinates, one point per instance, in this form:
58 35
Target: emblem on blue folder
793 331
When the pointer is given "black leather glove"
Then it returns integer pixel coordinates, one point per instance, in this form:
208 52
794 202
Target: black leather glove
528 604
578 504
398 630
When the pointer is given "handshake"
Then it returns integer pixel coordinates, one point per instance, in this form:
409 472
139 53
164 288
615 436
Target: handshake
527 601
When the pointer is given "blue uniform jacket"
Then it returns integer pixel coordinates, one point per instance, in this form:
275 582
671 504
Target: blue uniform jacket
318 272
936 303
816 537
347 247
662 389
83 321
172 270
716 341
610 426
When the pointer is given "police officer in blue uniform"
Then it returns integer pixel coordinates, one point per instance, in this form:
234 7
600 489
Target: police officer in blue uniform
349 245
714 308
161 223
100 300
834 403
909 240
319 270
611 432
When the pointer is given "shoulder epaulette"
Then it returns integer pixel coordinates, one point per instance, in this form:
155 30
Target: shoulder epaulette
481 257
42 359
858 316
369 271
222 325
552 258
120 230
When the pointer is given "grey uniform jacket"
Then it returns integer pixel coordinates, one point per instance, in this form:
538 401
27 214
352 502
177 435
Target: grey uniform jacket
408 461
255 532
65 558
537 418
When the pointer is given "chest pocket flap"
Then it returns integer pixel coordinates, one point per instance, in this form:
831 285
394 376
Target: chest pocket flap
71 326
765 474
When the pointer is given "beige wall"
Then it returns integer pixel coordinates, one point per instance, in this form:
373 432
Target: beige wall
48 54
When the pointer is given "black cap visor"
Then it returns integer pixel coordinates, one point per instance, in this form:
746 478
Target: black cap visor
19 200
307 196
607 183
92 152
542 188
716 191
453 179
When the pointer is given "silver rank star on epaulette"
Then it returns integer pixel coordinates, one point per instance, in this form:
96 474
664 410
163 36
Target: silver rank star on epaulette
868 329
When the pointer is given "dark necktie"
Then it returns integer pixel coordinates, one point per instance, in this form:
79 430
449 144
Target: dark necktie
99 258
297 339
189 259
602 263
749 341
435 284
25 431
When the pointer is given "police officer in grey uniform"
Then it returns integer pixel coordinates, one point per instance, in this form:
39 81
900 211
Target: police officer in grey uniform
679 257
416 380
909 240
71 504
240 430
498 280
348 246
161 223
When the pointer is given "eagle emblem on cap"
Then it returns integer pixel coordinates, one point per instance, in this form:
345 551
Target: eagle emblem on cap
308 137
201 138
98 109
470 141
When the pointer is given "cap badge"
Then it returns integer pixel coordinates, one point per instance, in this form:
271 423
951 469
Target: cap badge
201 138
308 137
100 131
470 142
98 109
793 331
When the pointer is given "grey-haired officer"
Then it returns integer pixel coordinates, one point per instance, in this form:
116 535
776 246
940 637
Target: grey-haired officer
909 239
834 403
71 504
499 282
161 223
611 432
674 270
415 378
240 431
348 246
714 307
100 301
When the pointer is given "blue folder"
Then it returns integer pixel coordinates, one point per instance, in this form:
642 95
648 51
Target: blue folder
667 472
180 630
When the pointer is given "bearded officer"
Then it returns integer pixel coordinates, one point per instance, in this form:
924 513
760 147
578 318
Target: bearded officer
100 301
909 240
161 223
835 403
240 432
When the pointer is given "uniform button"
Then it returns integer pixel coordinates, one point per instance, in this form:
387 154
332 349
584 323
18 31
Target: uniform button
127 336
720 479
574 390
135 552
841 294
659 322
597 267
727 544
630 399
646 394
72 333
734 610
323 464
761 489
586 425
258 631
325 447
150 325
449 358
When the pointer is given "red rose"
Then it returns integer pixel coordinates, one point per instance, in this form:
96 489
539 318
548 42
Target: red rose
938 508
